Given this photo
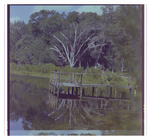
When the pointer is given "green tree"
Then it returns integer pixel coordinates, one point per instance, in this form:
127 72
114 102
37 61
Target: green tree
17 30
24 53
122 26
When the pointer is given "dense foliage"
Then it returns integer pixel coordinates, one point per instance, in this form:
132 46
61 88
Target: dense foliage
111 41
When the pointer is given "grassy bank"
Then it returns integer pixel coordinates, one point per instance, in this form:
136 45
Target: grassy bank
40 70
43 70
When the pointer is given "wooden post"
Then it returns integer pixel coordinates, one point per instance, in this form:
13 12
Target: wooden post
76 91
110 91
54 78
129 81
52 89
72 90
73 78
135 92
96 91
49 87
103 79
81 87
80 92
120 98
69 78
76 79
115 92
92 91
83 91
130 92
107 80
81 80
68 90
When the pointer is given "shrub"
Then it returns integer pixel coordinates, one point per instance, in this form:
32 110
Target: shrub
93 70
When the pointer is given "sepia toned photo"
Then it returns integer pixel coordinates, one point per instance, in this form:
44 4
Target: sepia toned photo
75 70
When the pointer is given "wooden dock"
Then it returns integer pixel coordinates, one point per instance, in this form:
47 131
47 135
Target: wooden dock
76 83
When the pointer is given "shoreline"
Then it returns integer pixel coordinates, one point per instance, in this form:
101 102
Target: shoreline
26 73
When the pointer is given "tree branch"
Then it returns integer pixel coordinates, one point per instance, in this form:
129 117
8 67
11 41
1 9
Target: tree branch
81 33
57 50
83 44
64 48
75 120
64 35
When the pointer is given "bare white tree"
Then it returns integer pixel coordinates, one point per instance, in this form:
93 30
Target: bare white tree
74 51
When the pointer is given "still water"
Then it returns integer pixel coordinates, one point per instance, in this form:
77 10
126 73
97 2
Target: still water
35 111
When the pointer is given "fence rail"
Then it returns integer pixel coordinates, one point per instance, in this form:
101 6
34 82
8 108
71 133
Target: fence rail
82 80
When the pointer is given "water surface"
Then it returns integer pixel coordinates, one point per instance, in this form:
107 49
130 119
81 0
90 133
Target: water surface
35 111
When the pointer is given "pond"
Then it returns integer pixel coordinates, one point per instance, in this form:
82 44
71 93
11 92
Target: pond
34 110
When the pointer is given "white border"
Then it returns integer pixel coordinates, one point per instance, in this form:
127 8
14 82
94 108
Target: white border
3 55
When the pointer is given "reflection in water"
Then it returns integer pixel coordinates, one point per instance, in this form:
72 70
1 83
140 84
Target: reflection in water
31 101
87 110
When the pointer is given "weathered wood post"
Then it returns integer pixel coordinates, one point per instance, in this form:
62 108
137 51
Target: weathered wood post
135 92
72 77
115 93
81 86
68 90
120 98
129 81
107 79
96 91
75 78
83 93
103 79
130 92
76 91
92 91
72 90
110 91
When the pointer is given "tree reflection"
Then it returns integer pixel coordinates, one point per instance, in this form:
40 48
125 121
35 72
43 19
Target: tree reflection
40 110
89 113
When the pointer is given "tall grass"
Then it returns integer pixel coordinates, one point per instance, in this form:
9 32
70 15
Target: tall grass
96 77
42 68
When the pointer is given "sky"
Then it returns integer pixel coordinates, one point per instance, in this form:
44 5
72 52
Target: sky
23 12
